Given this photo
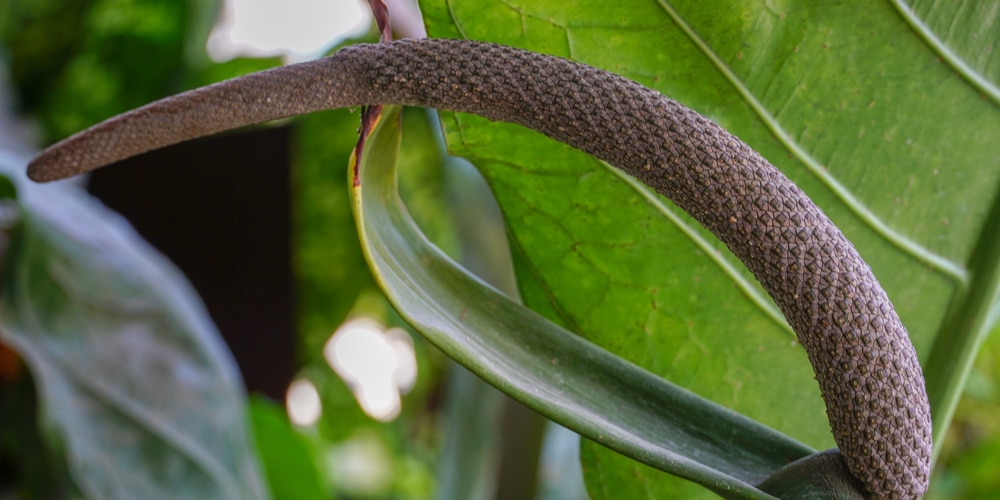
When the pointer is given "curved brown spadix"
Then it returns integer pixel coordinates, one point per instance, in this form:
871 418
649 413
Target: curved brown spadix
865 364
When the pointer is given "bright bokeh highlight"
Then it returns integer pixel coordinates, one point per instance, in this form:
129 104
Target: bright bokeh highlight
295 29
377 365
302 403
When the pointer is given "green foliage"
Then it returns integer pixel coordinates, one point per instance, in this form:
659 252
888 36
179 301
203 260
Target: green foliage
851 100
549 369
327 255
76 63
972 444
334 283
134 382
289 460
886 114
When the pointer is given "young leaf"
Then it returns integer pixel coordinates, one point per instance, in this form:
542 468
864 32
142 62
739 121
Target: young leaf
545 367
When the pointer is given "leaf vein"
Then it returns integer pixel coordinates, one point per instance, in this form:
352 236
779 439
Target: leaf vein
760 300
952 59
937 262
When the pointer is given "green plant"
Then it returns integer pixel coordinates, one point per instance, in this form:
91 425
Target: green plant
796 91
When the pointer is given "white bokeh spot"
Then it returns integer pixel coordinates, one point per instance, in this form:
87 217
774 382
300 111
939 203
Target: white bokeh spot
377 365
302 403
295 29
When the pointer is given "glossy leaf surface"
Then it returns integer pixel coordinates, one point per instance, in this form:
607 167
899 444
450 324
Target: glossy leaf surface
886 114
549 369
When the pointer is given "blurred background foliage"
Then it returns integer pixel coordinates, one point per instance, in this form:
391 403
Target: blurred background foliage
75 62
72 63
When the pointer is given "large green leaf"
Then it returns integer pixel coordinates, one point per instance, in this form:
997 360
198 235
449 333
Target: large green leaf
886 115
134 380
549 369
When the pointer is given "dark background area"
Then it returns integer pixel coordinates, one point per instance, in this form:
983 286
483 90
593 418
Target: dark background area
220 209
